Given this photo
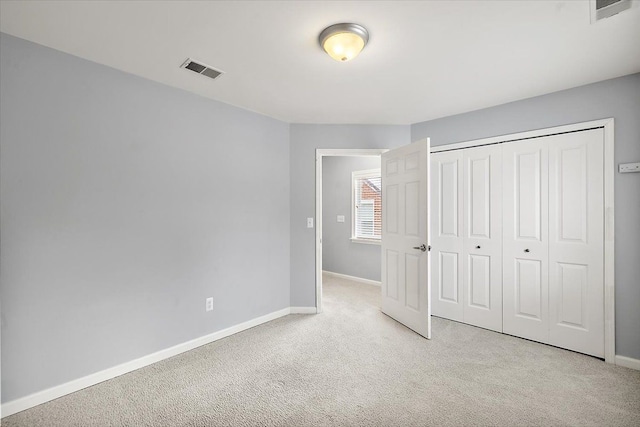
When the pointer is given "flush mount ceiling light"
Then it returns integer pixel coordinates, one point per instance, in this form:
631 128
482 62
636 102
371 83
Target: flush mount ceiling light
343 42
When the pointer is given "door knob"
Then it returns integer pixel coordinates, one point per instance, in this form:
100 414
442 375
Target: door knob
477 247
526 250
422 247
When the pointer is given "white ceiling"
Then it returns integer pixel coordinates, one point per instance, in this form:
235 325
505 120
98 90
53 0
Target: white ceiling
425 59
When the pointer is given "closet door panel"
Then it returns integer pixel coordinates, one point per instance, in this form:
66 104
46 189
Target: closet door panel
446 235
482 237
576 251
525 239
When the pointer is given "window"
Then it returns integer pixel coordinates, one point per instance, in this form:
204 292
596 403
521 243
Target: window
367 206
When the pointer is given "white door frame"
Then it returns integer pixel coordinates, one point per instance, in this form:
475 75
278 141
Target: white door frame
320 153
609 215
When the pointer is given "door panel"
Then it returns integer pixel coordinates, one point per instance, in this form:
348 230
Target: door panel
448 279
405 209
528 287
525 241
571 188
446 234
412 268
391 219
448 167
480 281
572 291
479 196
412 209
482 237
391 274
576 230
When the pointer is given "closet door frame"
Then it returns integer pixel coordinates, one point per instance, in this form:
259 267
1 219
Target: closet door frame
609 226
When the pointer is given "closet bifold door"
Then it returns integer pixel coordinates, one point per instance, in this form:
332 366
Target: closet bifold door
576 250
525 239
446 235
482 237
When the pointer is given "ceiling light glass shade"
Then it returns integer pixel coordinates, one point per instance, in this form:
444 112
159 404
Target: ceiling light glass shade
343 42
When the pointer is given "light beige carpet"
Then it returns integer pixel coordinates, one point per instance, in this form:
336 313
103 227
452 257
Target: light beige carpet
354 366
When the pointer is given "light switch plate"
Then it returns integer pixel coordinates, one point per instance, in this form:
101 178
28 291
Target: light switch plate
309 222
629 167
340 218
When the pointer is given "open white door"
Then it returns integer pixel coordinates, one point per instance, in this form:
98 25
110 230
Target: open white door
406 287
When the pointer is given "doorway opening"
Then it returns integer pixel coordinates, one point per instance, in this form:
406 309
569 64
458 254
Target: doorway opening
320 154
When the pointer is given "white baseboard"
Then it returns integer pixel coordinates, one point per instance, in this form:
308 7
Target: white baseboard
52 393
353 278
303 310
44 396
628 362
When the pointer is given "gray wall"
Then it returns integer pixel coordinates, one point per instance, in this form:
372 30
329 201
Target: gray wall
339 253
304 140
618 98
125 203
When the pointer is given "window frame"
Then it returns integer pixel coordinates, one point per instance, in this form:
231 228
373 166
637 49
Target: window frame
358 175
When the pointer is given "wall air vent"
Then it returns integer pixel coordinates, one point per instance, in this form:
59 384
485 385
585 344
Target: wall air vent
200 68
601 9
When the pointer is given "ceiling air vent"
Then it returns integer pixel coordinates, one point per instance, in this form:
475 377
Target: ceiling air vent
201 68
601 9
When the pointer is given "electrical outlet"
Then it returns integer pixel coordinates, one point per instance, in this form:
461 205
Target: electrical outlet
309 222
209 305
340 218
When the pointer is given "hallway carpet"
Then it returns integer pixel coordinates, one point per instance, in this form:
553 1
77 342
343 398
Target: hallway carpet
354 366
